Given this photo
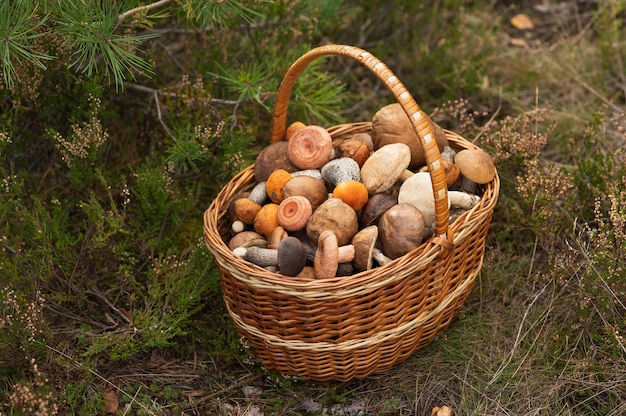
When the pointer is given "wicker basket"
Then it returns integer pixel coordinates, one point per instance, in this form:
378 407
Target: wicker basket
351 327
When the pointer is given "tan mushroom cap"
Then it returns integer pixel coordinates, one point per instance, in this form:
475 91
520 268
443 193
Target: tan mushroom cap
476 165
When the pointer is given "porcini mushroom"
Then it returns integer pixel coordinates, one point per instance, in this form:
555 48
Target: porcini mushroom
289 257
335 215
476 167
400 230
364 242
247 239
375 206
310 147
418 191
390 124
383 168
313 189
272 157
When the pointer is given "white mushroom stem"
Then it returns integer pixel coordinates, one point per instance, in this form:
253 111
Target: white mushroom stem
237 226
345 253
462 199
406 174
380 257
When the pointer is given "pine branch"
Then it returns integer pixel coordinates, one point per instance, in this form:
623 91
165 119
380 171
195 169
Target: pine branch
20 28
142 9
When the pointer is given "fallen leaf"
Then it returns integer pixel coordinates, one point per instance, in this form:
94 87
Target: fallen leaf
519 42
441 411
522 22
111 402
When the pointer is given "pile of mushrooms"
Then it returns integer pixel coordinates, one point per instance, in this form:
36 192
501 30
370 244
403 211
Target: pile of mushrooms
321 209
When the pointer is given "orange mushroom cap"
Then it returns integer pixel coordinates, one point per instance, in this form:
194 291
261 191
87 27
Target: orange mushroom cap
353 193
275 183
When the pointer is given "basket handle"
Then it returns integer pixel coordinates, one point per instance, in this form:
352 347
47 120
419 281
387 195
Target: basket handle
420 122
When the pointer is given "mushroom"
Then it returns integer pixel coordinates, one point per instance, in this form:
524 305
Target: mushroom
365 138
383 168
246 210
294 212
462 200
308 272
258 194
341 170
335 215
276 236
272 157
289 257
292 128
401 229
313 189
418 191
448 153
232 212
451 171
352 193
354 149
476 167
380 257
266 219
247 239
310 147
364 242
375 206
329 255
390 124
275 183
307 172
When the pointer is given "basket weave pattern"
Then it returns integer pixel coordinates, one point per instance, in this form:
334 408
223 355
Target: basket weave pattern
353 326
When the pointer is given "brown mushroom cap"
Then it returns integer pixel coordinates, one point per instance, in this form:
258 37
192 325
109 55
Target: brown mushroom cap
401 229
336 216
247 239
311 188
272 157
354 149
391 125
476 165
375 206
291 256
364 242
